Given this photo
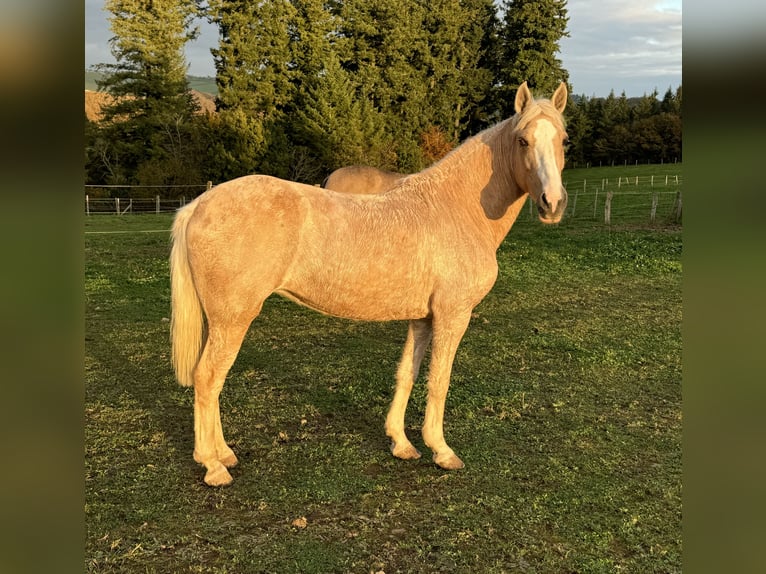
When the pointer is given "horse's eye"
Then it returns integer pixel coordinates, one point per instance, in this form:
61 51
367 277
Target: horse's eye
523 142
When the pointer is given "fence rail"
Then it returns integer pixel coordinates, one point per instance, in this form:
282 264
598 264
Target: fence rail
654 199
124 205
636 199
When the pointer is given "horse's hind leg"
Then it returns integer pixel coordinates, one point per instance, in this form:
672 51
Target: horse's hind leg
210 448
418 337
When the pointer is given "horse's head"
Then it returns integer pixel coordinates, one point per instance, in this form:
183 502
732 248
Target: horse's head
539 139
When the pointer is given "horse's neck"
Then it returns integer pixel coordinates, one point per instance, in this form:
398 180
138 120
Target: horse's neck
478 175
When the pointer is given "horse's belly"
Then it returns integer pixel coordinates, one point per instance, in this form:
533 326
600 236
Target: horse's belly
379 302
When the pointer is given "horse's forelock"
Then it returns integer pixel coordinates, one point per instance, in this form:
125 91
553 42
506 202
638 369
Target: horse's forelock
537 108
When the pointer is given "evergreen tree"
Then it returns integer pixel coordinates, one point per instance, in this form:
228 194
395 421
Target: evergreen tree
641 129
647 106
670 103
580 131
339 123
253 72
252 59
312 39
383 46
485 111
149 121
530 36
458 78
426 65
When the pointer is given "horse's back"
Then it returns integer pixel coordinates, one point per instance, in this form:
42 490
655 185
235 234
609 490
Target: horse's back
361 180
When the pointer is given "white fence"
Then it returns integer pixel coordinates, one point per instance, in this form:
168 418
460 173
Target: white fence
124 205
650 199
636 199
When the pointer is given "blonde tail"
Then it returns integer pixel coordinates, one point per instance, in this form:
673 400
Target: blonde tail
186 323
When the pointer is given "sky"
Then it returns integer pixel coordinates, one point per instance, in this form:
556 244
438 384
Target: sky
630 46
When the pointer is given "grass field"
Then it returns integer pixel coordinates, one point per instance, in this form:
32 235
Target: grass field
565 405
633 188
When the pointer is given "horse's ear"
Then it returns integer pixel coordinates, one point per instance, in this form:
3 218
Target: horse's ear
523 98
559 98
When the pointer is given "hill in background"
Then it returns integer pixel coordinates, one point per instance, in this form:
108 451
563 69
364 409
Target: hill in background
203 89
203 84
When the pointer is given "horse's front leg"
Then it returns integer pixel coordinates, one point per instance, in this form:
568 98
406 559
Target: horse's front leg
446 338
418 338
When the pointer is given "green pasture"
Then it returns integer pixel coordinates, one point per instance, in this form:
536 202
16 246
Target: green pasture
565 405
640 194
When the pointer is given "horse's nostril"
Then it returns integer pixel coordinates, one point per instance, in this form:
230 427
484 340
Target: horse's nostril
545 201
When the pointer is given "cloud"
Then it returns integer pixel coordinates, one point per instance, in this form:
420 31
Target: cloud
622 45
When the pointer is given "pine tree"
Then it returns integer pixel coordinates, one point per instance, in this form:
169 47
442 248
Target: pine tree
458 78
484 111
149 121
383 45
253 73
530 36
312 39
252 59
580 132
340 125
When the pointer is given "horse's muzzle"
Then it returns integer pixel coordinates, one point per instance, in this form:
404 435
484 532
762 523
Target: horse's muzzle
551 211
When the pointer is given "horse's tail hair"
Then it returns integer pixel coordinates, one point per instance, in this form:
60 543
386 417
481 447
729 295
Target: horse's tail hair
186 323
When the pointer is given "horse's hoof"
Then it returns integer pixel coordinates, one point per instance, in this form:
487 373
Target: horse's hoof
449 461
229 461
406 452
218 476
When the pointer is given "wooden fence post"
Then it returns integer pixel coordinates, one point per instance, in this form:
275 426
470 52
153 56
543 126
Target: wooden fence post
117 205
157 199
678 206
87 204
574 205
653 213
608 208
595 203
209 186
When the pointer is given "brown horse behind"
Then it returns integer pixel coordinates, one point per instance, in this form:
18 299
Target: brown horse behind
424 251
361 179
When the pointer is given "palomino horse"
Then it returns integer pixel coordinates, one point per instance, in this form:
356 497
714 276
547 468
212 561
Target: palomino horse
424 251
361 179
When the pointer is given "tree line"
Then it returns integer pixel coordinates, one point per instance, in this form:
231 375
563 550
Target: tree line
307 86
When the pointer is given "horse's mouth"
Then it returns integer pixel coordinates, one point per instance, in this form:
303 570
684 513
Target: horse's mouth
549 218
